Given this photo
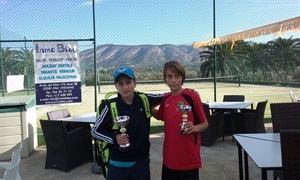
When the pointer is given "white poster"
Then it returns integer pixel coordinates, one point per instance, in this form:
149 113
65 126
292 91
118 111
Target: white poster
15 83
57 72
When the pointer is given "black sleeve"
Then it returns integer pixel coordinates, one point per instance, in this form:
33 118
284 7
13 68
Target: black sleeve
154 99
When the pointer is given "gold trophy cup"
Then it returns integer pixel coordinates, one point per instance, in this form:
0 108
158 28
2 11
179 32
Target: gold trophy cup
121 122
184 110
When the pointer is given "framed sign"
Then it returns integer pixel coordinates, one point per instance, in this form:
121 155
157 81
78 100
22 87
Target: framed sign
57 73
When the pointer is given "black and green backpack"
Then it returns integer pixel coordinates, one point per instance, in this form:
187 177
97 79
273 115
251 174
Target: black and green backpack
103 147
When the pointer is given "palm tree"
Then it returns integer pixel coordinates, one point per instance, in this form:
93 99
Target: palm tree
255 60
284 53
7 62
297 49
7 57
228 59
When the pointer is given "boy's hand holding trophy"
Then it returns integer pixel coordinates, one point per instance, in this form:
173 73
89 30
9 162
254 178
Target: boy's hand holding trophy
184 110
122 121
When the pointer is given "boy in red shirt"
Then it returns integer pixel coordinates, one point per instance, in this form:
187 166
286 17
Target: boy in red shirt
181 151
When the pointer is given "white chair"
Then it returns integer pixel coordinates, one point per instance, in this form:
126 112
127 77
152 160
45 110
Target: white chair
15 159
58 114
294 97
12 173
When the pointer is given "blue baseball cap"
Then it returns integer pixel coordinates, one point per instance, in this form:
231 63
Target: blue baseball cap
124 70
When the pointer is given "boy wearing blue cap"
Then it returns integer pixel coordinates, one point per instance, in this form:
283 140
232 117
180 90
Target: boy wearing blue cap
127 163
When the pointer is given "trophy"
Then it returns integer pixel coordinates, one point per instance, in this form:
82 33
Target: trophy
121 122
184 110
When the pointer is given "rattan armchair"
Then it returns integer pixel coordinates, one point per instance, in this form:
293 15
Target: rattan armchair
230 124
233 98
252 120
284 116
64 113
66 149
215 127
290 153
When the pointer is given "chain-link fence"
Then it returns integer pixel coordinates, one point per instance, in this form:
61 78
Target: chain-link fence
259 69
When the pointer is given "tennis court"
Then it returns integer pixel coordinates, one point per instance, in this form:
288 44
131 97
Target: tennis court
253 93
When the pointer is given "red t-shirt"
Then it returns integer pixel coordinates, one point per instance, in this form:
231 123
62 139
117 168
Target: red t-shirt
181 152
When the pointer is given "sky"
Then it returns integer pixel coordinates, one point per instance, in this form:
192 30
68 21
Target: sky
137 22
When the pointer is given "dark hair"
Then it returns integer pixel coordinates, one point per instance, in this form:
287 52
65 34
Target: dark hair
175 67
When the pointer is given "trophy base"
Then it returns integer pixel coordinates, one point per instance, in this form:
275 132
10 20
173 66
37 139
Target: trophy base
125 148
182 131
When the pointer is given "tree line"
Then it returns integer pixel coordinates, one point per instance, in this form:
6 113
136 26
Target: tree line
277 60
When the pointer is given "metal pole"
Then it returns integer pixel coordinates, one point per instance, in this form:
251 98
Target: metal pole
215 56
95 167
95 68
1 67
26 68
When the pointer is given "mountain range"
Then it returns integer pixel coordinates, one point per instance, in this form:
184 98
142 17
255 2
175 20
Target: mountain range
111 56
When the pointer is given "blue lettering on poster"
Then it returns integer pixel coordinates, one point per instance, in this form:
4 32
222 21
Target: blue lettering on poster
60 48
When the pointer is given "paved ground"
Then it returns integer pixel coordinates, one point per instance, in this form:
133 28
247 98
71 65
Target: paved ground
220 162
